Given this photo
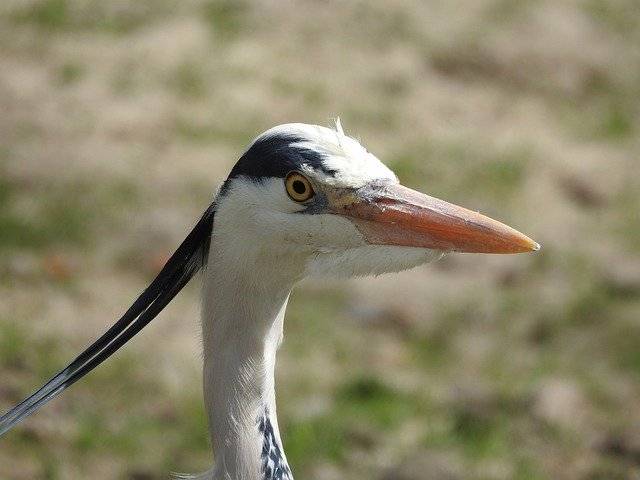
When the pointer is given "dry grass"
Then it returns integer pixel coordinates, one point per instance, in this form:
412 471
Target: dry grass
120 118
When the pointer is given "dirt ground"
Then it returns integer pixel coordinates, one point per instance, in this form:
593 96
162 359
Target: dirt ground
119 119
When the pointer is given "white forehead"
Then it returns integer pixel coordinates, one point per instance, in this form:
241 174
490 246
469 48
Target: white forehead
353 164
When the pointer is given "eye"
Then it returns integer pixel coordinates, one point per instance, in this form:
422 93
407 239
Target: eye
298 187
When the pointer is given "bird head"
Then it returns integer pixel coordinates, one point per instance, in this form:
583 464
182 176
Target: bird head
318 198
307 200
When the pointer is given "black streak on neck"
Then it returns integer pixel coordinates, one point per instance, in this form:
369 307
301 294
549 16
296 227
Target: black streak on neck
273 464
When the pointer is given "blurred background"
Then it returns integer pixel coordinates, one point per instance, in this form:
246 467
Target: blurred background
118 120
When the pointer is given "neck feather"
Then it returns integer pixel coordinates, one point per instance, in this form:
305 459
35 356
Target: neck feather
243 312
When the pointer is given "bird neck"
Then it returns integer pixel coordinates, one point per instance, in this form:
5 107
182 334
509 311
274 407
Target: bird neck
243 312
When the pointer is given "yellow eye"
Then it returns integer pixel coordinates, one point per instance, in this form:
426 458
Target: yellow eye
298 187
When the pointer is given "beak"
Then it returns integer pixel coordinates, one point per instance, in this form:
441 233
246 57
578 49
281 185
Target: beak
397 215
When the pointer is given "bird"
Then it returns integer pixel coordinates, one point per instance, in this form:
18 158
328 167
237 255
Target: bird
302 201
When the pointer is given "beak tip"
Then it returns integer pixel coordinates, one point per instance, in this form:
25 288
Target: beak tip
524 244
529 245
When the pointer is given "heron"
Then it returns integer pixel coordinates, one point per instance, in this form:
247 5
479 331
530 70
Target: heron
302 201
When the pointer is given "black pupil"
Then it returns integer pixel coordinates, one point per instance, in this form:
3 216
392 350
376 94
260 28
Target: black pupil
299 187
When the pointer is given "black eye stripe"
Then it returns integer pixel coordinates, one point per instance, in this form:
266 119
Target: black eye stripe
275 155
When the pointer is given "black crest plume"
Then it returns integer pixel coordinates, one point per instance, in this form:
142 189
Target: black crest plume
190 256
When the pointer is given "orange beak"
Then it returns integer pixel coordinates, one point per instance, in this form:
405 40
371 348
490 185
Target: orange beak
397 215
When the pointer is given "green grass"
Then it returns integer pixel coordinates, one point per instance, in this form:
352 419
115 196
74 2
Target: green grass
323 436
59 215
188 81
364 409
468 170
117 411
619 16
49 14
70 73
375 116
123 81
13 343
499 12
188 130
23 353
226 18
312 94
626 223
369 401
607 109
66 16
481 436
432 351
313 315
527 469
618 122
